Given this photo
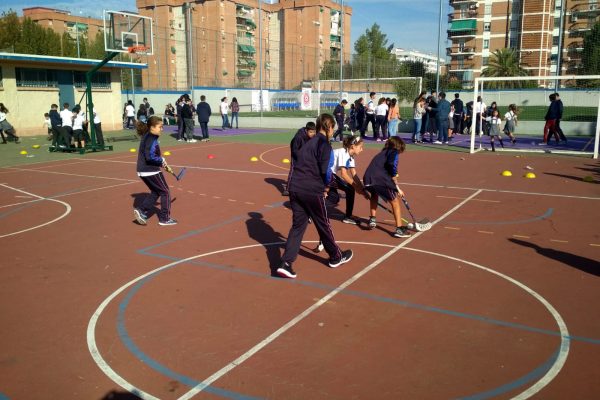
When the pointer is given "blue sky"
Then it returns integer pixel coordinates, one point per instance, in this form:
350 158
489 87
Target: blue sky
411 24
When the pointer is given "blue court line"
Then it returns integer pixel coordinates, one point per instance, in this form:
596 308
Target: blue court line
545 215
4 397
123 334
531 376
136 351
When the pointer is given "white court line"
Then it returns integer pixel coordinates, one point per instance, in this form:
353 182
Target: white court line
564 332
401 183
66 173
217 375
67 211
68 194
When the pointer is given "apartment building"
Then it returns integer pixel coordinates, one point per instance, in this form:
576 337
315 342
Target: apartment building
217 42
547 34
62 21
430 61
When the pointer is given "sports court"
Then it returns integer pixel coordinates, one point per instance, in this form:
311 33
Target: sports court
495 301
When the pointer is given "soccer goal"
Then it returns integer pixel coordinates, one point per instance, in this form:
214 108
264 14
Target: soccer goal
331 91
572 125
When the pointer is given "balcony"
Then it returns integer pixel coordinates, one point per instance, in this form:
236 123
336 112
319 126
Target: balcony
461 67
585 11
462 28
458 50
458 3
469 14
461 34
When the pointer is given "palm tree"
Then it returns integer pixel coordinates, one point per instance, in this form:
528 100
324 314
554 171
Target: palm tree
504 63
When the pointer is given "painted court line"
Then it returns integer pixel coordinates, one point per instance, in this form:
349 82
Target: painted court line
564 332
271 164
559 241
522 236
69 174
486 232
238 361
401 183
462 198
67 211
451 227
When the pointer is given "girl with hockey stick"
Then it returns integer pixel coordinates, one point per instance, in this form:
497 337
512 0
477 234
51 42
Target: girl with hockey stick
381 180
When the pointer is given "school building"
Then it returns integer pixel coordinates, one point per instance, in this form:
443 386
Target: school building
29 84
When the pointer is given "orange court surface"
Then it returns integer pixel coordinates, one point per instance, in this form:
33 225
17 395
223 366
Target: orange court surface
499 300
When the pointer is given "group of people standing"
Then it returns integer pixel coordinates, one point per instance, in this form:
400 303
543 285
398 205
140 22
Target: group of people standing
383 115
68 128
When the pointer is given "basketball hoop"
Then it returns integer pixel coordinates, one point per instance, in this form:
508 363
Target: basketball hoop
142 50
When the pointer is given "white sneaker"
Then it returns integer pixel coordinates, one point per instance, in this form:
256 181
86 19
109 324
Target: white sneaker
437 142
445 142
180 140
192 141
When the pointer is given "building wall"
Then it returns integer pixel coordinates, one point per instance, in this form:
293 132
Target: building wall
60 21
532 27
28 105
297 40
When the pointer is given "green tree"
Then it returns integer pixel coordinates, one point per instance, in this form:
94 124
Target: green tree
95 47
373 55
505 63
591 54
10 31
68 46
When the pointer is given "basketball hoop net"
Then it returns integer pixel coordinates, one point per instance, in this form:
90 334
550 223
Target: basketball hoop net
142 50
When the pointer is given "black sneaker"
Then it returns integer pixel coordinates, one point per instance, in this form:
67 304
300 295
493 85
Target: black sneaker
346 256
402 232
286 271
372 223
139 216
350 220
171 221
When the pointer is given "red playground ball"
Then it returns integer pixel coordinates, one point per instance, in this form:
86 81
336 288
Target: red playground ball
210 156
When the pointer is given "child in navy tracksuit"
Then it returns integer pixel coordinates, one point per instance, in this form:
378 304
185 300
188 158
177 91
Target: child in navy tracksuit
149 163
307 186
296 144
381 181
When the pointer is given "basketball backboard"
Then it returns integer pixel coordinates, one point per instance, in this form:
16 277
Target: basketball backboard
124 31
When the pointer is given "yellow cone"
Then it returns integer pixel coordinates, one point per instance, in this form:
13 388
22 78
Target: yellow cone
23 152
253 159
167 153
36 146
285 161
530 175
588 178
132 150
506 173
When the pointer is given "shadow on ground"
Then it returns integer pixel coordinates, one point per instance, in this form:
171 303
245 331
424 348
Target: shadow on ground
581 263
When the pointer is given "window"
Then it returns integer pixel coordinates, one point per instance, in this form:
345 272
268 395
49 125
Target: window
486 44
487 26
100 80
488 9
33 77
485 60
555 40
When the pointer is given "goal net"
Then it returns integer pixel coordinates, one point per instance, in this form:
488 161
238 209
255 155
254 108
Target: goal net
331 91
545 123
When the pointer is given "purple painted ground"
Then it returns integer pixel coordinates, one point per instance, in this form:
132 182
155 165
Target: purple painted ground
220 132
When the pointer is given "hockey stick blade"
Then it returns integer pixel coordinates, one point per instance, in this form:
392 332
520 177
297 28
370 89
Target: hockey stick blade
181 173
423 225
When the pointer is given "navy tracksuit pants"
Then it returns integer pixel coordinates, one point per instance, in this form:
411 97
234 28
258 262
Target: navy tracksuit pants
158 188
311 205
